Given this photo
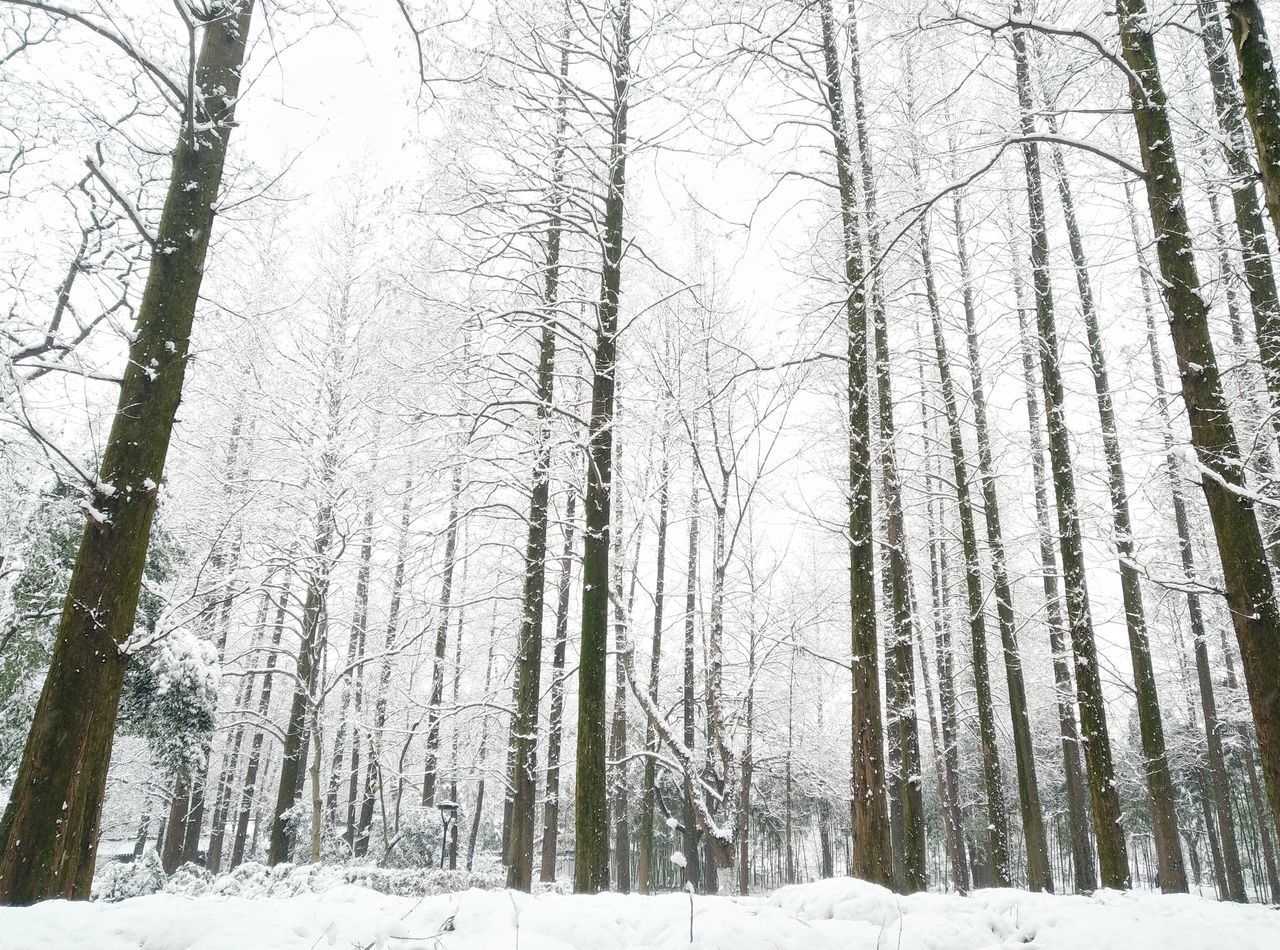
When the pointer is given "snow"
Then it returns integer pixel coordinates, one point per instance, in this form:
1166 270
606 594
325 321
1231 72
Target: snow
842 914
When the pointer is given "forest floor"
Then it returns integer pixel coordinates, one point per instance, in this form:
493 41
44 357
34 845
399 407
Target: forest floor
842 914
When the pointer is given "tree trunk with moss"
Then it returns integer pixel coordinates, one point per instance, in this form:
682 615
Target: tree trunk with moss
1247 577
1218 776
1112 850
1171 871
872 854
1261 91
903 722
49 833
591 814
1259 273
528 685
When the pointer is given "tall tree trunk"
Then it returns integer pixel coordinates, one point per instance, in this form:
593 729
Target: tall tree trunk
1078 818
618 787
373 773
481 755
689 844
872 854
249 790
644 874
355 652
144 826
1217 774
355 665
1112 850
217 616
591 814
431 768
528 685
743 857
49 833
172 852
555 725
943 657
993 781
1246 574
935 732
1259 274
1039 877
1171 874
904 723
231 755
309 651
1261 91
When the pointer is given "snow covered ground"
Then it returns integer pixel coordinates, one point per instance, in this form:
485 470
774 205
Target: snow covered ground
829 915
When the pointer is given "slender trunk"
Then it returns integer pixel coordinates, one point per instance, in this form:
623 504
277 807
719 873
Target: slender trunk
555 726
904 725
430 769
943 657
1246 574
935 733
481 758
144 826
1259 275
591 814
1171 874
786 779
249 790
646 858
529 650
1233 884
351 671
1261 91
317 802
618 790
309 651
231 755
872 854
456 691
171 853
690 840
372 771
1039 877
49 833
1094 736
1078 818
361 634
993 781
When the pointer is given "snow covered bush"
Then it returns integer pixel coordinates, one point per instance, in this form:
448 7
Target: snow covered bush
119 881
288 880
170 698
189 879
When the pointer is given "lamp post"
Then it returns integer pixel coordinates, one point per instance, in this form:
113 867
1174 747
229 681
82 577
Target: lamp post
448 815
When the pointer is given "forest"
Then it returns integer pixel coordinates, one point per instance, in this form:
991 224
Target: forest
795 461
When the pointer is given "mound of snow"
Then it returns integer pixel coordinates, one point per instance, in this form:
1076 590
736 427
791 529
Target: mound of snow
316 907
